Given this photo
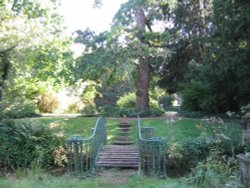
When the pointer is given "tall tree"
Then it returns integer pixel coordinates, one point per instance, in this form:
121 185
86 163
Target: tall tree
190 23
143 72
131 43
221 82
27 28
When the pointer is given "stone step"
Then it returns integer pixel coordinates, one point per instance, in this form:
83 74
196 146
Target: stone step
122 138
108 165
123 143
123 129
133 147
125 125
118 157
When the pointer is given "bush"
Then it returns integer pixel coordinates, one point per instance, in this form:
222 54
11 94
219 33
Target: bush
110 111
188 153
216 135
47 103
193 96
25 144
17 108
89 109
166 101
127 101
215 171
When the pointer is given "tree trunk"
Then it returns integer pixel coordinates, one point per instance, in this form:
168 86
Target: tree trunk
142 81
142 86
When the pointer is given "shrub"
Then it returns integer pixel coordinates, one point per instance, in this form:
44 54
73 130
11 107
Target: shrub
214 171
110 111
151 112
17 108
48 103
25 144
193 96
166 101
89 109
127 101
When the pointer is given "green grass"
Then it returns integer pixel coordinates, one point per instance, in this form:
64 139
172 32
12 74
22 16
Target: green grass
79 126
42 180
176 131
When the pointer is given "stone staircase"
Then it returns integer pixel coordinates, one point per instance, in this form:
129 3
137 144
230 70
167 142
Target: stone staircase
118 156
122 137
122 154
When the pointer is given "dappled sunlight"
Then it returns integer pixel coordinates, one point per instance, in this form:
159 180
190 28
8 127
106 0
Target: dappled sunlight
110 137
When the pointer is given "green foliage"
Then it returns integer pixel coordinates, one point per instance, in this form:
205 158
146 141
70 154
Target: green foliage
89 109
18 109
192 114
127 101
25 104
47 103
226 87
109 94
26 144
166 101
212 134
215 171
193 96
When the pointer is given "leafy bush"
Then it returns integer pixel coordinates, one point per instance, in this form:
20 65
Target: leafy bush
214 171
17 108
193 96
166 101
89 109
216 135
25 144
110 111
73 108
110 93
130 112
127 104
47 103
127 101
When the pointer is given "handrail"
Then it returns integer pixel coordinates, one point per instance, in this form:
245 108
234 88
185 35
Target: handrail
152 154
82 152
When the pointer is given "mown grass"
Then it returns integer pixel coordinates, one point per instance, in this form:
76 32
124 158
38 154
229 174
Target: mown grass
177 130
172 131
79 126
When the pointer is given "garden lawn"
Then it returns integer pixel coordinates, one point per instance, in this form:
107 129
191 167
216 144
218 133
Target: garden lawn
173 130
78 126
170 129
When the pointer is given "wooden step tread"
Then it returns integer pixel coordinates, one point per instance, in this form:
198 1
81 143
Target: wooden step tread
117 165
118 157
117 162
122 147
118 152
123 143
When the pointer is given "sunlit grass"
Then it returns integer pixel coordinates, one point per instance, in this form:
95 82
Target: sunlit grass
79 126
